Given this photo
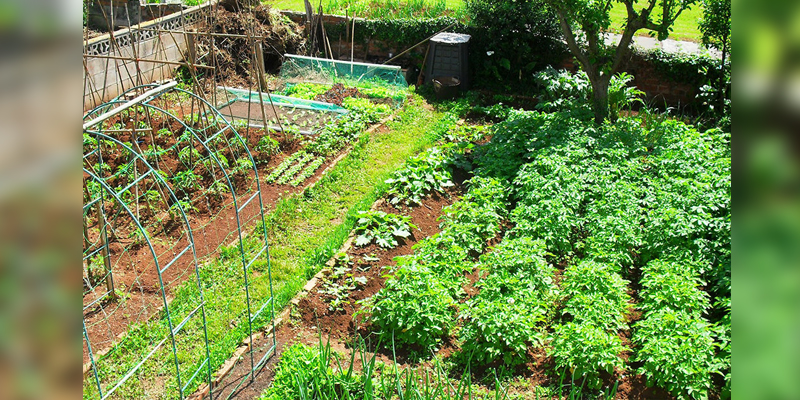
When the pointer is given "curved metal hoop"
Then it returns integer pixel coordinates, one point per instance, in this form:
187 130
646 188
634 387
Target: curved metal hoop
162 180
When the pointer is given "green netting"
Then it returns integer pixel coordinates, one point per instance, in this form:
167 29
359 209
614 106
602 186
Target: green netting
284 101
297 69
255 110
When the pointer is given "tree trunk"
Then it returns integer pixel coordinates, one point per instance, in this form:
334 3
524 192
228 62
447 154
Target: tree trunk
599 97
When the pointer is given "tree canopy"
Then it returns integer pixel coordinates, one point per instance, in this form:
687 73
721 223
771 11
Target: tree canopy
584 23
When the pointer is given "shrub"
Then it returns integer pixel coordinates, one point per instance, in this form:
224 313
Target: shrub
572 93
512 38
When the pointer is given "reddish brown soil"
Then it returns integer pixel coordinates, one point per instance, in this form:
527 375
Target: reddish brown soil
337 93
238 383
338 326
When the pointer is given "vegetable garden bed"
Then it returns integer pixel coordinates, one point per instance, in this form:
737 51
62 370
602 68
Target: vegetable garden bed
578 262
211 212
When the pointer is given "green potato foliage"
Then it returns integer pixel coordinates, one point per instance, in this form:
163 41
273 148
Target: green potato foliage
594 293
676 344
414 308
584 350
515 301
672 286
677 352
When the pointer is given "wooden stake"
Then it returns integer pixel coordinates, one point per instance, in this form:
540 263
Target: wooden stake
326 43
192 50
353 44
261 70
101 221
422 70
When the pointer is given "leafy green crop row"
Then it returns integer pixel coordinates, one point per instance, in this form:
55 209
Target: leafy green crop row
370 111
418 304
287 162
309 170
676 343
607 201
293 169
514 304
595 302
382 228
422 174
336 136
306 91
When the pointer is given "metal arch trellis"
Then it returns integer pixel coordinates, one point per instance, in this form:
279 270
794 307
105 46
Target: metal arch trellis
143 103
173 329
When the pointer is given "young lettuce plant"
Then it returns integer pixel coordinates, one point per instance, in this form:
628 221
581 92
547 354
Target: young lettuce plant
422 174
382 228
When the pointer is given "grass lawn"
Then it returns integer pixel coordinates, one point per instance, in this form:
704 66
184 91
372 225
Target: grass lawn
685 27
298 5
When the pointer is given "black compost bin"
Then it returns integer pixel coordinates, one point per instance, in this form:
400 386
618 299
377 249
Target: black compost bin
448 57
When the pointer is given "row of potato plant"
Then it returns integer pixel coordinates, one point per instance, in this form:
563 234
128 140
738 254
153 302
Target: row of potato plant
595 303
515 302
606 201
418 303
688 217
433 276
676 346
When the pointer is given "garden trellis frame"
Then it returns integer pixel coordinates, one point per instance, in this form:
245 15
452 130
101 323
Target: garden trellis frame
112 202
